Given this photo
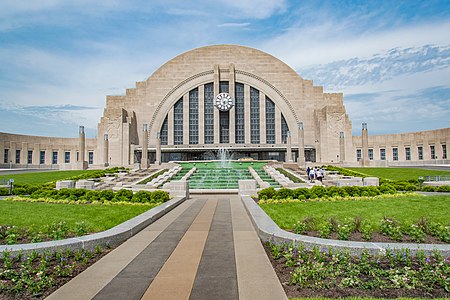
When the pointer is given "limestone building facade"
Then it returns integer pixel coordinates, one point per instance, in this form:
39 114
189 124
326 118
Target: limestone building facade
232 97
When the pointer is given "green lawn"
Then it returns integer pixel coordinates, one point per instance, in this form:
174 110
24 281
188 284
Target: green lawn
399 173
37 215
43 177
406 210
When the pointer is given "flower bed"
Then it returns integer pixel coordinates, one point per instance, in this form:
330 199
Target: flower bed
36 276
328 273
365 218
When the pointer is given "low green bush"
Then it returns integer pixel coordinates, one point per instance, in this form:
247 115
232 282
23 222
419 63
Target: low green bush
322 192
429 189
444 188
159 196
4 191
86 196
267 193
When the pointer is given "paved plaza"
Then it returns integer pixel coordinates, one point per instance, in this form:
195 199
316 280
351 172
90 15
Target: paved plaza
206 248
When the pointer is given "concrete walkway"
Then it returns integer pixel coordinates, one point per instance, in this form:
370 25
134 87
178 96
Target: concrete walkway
206 248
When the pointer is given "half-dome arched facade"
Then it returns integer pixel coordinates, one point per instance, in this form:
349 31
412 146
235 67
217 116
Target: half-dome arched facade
274 112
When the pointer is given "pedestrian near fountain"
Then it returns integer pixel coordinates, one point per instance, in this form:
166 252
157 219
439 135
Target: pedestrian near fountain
311 175
307 171
318 175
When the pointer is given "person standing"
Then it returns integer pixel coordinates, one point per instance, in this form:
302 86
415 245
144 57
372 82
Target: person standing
311 175
307 171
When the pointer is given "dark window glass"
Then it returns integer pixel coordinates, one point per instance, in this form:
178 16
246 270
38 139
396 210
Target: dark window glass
30 156
370 154
67 157
42 157
209 113
270 121
254 116
395 153
358 154
420 152
6 156
193 116
178 122
382 154
91 157
284 129
17 156
408 153
240 113
55 157
164 132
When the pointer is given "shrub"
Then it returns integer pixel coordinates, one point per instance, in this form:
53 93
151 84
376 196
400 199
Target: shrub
325 229
416 233
91 196
142 197
76 194
301 193
123 195
64 193
299 227
267 193
4 191
428 189
19 191
106 195
353 191
320 191
284 193
391 228
344 231
387 188
444 188
159 196
366 231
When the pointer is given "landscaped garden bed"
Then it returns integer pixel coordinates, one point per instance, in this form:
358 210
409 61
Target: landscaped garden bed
330 273
35 276
383 218
52 215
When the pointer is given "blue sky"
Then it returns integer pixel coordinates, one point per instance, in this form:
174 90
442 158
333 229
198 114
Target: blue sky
59 59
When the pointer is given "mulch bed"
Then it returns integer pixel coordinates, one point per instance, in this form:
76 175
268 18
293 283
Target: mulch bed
378 238
59 281
284 274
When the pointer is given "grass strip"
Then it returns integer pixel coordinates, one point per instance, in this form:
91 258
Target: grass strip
399 173
406 210
39 215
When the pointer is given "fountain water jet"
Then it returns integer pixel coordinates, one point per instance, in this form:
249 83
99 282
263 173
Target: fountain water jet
225 157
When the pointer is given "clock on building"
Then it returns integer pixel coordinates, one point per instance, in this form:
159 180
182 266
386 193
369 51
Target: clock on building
223 102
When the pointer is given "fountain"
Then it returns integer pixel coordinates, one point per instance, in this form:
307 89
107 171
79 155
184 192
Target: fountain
225 157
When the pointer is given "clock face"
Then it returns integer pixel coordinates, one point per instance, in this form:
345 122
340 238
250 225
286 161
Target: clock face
224 102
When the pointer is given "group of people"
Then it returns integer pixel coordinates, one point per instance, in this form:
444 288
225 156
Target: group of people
315 173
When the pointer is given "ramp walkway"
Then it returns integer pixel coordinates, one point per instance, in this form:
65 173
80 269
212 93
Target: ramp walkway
206 248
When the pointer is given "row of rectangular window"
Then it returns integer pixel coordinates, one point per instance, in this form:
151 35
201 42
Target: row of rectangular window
407 153
224 118
42 157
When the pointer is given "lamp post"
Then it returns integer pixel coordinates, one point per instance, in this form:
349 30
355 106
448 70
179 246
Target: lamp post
421 181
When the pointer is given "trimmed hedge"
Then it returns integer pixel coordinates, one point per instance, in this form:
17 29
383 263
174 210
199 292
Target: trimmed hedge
108 195
322 192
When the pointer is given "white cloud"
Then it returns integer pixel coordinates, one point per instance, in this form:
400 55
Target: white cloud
256 8
234 24
301 47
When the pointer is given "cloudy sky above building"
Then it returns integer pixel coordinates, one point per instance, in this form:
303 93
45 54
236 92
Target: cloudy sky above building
59 59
